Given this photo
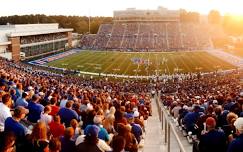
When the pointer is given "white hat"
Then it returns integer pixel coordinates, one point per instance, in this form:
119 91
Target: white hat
49 98
239 123
215 102
41 93
241 93
30 88
89 107
97 120
136 114
185 107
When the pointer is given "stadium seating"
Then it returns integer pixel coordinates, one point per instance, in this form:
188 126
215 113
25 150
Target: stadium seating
137 36
51 104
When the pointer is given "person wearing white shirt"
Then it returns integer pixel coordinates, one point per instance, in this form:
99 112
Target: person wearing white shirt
45 117
5 110
63 102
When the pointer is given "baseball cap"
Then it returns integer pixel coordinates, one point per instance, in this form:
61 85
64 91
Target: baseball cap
92 130
129 116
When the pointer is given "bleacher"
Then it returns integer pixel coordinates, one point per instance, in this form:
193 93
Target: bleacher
156 36
40 101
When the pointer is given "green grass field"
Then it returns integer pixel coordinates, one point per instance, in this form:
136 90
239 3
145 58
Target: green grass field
151 63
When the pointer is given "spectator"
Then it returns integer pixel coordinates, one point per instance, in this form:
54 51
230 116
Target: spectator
108 124
64 101
66 141
38 138
8 142
5 110
13 95
90 141
103 134
2 87
229 129
42 146
67 114
55 145
54 107
135 128
56 128
118 144
19 90
45 117
212 140
191 118
35 109
21 101
131 142
77 130
237 144
12 124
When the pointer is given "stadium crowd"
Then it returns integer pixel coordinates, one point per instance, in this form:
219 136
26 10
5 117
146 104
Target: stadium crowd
43 111
41 38
209 109
164 36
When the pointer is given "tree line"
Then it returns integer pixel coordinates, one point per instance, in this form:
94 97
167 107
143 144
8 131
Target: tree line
80 24
232 25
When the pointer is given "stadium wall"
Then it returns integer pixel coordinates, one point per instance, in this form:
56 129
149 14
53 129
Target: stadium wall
69 36
15 48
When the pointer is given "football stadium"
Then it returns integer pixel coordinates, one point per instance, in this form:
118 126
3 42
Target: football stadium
143 44
143 80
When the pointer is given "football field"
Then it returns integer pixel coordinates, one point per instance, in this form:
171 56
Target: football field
141 63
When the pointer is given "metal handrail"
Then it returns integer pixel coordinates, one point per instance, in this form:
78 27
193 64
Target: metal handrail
168 126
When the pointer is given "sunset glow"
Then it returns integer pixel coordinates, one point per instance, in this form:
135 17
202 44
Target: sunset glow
106 7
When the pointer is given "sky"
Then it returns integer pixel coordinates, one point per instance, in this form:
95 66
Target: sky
106 7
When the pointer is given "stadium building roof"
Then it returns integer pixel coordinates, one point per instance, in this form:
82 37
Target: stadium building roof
31 29
14 34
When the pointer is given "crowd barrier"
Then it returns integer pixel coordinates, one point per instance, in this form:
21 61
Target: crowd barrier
168 127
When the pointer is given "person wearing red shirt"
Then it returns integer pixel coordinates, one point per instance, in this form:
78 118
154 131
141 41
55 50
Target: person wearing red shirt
54 107
56 128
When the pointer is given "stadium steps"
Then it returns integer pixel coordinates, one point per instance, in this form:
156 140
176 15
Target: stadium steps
154 140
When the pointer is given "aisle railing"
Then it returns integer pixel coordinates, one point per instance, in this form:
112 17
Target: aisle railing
168 127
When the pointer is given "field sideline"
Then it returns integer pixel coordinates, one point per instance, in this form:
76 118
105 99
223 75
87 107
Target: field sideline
142 63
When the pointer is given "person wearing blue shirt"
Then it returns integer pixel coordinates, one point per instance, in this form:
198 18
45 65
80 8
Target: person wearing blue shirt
191 118
12 124
35 109
212 140
67 114
21 101
136 128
